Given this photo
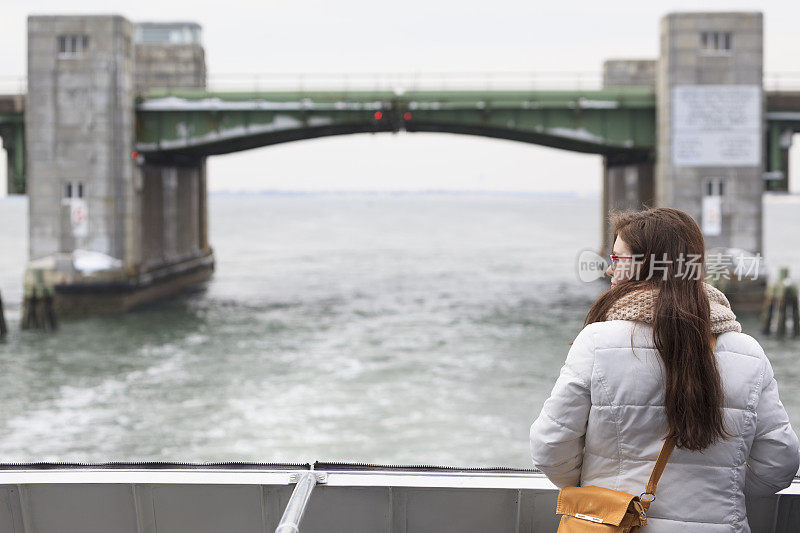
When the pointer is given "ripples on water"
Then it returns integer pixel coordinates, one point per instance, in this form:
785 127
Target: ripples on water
372 328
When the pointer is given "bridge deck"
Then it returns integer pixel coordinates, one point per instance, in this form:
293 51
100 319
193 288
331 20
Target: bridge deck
196 123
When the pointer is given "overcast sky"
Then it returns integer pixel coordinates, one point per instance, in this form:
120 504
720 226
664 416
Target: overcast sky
411 36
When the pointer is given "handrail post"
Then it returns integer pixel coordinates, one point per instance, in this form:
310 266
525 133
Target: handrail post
293 514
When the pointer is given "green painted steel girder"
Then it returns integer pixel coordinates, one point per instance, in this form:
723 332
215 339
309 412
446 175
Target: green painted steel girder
195 123
12 131
783 121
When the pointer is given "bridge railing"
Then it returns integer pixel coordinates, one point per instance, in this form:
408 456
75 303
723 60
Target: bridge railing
410 81
405 81
378 81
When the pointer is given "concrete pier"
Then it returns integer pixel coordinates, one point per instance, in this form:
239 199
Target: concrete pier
628 180
108 231
628 184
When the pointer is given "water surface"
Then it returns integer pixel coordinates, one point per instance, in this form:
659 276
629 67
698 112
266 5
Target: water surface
416 328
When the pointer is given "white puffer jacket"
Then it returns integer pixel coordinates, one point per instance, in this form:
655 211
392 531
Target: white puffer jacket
604 425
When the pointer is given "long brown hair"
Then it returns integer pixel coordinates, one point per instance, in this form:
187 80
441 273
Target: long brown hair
681 318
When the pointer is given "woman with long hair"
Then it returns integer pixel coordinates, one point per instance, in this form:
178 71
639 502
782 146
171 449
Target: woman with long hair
644 369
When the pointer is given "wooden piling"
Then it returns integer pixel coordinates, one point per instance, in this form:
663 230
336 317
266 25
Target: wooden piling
767 311
795 311
49 312
3 327
780 331
26 315
38 311
29 309
41 312
781 303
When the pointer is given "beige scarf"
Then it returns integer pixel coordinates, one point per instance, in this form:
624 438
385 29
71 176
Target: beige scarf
639 305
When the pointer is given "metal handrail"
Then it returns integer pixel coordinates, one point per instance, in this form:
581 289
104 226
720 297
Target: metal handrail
293 514
407 81
772 81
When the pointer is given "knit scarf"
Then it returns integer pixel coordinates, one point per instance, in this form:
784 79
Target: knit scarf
638 305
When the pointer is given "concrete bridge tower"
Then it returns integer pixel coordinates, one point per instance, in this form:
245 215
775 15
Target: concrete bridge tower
174 224
79 124
106 232
710 117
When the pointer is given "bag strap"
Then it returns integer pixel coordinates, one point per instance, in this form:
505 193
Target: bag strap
663 457
658 469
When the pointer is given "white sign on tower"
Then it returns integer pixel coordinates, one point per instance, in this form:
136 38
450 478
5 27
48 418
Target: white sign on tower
78 216
716 125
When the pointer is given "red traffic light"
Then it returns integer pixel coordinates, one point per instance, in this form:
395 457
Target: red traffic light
134 155
407 115
378 115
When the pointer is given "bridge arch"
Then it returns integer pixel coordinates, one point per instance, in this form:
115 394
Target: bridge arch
617 123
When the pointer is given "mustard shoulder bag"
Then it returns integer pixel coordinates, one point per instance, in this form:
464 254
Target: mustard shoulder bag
601 510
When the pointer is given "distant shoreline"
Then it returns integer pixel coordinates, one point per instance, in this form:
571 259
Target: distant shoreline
776 197
440 192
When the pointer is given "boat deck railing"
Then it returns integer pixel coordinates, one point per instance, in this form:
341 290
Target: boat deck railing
290 498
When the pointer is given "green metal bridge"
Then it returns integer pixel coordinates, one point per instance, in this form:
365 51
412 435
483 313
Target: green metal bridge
175 126
196 123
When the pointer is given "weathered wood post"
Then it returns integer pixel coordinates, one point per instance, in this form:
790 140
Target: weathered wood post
780 299
792 297
767 310
3 327
37 307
